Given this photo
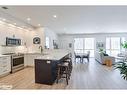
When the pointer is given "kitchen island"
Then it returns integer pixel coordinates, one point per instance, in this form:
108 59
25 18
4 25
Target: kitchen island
46 66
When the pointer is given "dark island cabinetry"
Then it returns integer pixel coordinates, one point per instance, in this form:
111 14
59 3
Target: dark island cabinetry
45 71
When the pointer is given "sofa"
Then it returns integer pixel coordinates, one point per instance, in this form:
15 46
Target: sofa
101 58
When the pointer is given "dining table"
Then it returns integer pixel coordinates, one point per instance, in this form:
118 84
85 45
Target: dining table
81 55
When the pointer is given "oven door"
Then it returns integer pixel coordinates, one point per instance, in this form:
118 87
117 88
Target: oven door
17 61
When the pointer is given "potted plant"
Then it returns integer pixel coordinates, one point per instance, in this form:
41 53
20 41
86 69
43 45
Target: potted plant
101 50
122 67
124 45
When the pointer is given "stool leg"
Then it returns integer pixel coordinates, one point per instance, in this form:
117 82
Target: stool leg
70 68
88 59
58 74
67 76
68 72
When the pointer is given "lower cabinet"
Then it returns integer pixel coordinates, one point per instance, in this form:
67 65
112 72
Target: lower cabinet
45 71
29 59
5 65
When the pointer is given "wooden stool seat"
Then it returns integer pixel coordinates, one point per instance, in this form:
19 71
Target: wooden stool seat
64 64
69 60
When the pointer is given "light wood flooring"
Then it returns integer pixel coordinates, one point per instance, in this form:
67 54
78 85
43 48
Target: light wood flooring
84 76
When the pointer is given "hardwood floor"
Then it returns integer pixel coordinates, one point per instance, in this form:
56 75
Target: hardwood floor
84 76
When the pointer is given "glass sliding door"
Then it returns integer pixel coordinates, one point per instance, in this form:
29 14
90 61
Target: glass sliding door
82 45
78 45
89 46
113 45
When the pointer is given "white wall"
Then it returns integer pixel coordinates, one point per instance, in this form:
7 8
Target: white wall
26 37
66 39
52 36
39 32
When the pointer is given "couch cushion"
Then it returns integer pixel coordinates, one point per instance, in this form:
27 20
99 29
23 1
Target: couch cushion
105 54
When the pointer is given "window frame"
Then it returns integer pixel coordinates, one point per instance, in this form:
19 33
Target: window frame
110 48
84 49
47 45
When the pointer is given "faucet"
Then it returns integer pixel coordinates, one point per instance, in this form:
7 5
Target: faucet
40 47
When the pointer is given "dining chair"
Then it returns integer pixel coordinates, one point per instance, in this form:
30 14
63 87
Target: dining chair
87 55
77 56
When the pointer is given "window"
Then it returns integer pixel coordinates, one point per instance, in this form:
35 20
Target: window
82 45
122 41
78 45
47 42
113 45
89 46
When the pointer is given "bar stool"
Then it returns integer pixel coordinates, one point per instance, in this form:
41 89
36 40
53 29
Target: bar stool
63 71
69 60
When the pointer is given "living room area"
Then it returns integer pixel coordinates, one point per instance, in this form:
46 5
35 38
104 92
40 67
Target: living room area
63 47
107 51
110 44
83 47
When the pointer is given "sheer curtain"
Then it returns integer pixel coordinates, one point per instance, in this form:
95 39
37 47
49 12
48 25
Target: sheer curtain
113 45
82 45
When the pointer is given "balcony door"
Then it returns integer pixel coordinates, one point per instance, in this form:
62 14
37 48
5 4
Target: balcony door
113 45
82 45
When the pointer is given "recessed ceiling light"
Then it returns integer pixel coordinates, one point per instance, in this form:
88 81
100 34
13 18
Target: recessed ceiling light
4 19
28 19
11 25
14 23
19 28
39 24
55 16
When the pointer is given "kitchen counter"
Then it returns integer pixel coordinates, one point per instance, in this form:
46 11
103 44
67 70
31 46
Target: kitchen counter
46 66
57 55
4 55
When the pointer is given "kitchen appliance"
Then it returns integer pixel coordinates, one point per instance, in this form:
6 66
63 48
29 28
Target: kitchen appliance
12 41
17 61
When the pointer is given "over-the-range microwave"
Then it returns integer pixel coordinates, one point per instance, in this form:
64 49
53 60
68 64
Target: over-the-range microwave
12 41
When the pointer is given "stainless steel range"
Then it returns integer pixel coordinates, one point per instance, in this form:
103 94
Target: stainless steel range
17 61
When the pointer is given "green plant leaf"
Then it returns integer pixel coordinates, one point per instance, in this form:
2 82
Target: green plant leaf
122 67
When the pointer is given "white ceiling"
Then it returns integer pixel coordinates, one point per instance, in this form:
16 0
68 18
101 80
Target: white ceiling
74 19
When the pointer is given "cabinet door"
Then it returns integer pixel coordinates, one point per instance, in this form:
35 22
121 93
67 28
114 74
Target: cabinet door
5 65
25 60
0 65
30 59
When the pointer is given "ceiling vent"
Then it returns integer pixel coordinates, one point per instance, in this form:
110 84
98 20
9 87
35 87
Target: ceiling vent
5 8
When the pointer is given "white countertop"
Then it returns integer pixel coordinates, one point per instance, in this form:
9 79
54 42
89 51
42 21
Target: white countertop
4 55
54 55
